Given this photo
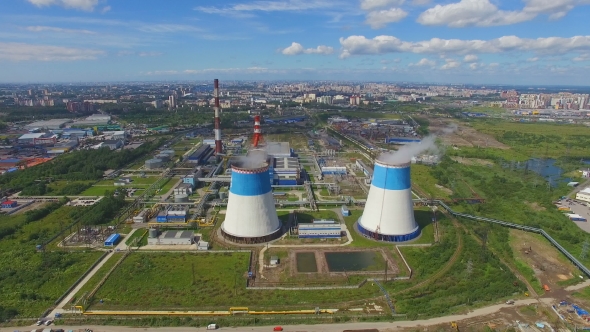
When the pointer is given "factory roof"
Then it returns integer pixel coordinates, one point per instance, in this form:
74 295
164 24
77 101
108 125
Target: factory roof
46 123
111 141
32 135
286 162
9 161
178 235
278 148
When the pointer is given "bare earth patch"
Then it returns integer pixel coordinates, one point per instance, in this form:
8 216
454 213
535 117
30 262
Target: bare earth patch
463 135
444 189
472 161
535 206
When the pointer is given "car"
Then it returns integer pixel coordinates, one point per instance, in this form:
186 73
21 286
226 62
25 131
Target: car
277 328
212 326
39 322
48 322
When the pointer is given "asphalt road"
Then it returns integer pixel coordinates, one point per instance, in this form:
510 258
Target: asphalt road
381 326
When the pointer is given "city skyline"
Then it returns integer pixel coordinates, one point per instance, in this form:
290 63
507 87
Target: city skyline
531 42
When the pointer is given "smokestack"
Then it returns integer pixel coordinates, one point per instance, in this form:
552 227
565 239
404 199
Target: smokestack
217 130
257 131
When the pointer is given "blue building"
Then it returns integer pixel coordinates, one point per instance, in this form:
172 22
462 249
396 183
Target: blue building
112 240
345 211
9 204
190 179
402 140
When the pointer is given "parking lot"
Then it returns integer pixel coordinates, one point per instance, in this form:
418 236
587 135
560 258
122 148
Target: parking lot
579 207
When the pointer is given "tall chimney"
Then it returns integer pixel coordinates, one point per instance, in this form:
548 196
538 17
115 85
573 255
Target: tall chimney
218 146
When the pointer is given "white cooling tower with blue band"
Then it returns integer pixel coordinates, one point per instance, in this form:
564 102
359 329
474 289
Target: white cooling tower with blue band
389 211
251 216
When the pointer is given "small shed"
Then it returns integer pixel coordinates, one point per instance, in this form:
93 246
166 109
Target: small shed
274 260
202 245
345 211
112 240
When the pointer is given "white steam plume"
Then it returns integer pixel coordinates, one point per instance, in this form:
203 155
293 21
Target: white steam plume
406 152
254 159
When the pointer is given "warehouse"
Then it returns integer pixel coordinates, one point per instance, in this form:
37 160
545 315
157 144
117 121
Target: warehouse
29 139
62 147
183 189
319 231
402 140
173 238
112 240
48 124
113 144
201 155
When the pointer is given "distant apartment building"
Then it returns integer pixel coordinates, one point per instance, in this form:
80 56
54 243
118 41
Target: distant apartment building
172 101
324 100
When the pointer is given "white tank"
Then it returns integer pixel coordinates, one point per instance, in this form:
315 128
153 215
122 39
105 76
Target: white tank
389 211
251 216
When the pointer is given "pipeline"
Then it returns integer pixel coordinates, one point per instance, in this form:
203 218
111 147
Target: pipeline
230 312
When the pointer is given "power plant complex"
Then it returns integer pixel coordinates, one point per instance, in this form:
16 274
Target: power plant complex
389 211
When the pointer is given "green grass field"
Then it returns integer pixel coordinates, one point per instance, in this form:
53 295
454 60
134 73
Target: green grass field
98 190
165 281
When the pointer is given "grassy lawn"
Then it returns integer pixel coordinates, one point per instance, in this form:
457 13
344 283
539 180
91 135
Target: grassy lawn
138 234
422 177
98 191
55 187
97 277
136 181
167 186
166 281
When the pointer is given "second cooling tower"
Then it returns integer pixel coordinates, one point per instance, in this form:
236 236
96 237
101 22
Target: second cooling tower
251 216
389 211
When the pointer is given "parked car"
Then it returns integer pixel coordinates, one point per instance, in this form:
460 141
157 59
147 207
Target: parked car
277 328
212 326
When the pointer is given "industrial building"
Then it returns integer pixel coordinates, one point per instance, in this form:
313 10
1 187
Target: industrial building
112 240
319 231
334 170
583 195
9 204
279 149
141 216
153 163
202 154
389 210
345 211
34 138
285 171
368 171
112 144
183 189
170 237
93 120
48 124
62 147
402 140
251 216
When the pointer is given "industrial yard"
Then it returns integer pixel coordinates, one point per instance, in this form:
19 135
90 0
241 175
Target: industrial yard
321 224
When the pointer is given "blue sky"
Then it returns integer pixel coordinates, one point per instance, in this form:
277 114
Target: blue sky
444 41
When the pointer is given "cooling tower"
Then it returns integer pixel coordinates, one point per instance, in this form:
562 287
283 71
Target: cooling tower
389 211
251 216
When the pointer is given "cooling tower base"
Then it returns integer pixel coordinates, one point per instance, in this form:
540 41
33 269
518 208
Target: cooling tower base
252 240
387 238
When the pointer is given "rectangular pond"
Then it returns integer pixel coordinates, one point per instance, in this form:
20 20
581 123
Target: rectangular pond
352 261
306 262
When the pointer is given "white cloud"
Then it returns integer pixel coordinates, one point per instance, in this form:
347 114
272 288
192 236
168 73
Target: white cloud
144 54
582 57
372 4
471 13
296 49
450 64
485 13
87 5
164 28
58 30
355 45
424 62
379 19
32 52
105 9
243 9
420 2
470 58
532 59
474 66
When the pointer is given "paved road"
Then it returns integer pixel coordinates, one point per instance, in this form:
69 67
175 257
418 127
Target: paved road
382 326
67 299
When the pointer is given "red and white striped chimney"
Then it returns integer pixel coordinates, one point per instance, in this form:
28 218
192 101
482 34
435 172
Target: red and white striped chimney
217 108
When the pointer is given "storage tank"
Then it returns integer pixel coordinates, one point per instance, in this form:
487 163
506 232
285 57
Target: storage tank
251 216
153 233
153 163
222 195
182 198
389 210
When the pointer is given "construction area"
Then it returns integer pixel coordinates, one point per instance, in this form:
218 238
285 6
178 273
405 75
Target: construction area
88 236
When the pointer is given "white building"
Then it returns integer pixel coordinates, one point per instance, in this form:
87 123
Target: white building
172 101
173 238
584 195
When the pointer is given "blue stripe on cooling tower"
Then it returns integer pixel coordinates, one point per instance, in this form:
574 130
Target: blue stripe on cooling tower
250 184
391 178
